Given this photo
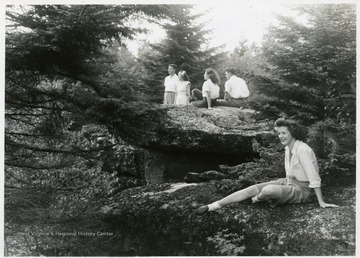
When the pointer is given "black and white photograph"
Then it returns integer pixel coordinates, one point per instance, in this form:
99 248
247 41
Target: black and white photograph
179 128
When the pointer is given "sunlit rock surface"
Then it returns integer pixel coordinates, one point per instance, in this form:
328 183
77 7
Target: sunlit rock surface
220 130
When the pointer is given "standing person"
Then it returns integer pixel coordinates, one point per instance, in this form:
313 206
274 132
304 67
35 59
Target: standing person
302 175
210 90
182 89
170 85
236 90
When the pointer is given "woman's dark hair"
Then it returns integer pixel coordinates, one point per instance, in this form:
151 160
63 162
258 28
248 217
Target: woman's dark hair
213 75
297 131
184 75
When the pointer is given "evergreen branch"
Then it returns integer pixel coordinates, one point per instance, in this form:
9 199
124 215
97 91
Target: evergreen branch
29 135
29 105
24 121
25 114
73 152
34 167
16 179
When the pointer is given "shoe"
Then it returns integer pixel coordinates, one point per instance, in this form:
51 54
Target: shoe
202 210
255 199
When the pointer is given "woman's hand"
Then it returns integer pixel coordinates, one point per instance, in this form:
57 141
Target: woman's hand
321 200
328 205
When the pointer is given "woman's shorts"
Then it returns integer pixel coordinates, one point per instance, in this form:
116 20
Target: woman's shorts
293 192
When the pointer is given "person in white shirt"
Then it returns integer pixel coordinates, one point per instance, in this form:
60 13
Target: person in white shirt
183 89
170 85
210 90
302 179
236 90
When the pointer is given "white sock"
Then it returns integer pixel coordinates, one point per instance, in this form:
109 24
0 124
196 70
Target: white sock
255 199
214 206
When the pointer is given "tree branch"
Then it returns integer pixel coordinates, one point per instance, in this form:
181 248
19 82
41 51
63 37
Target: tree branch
33 167
61 150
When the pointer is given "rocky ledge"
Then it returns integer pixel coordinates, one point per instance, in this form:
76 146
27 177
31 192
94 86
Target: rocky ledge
219 130
160 220
198 140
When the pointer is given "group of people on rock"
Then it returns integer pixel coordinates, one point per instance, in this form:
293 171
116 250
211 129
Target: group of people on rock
177 89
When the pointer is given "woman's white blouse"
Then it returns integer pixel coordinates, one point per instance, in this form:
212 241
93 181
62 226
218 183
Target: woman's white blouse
303 164
213 88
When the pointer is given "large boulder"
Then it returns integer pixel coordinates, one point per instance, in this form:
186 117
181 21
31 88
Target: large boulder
219 130
199 140
193 140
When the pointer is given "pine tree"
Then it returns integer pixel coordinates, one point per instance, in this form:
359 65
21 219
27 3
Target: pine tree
65 86
312 64
185 45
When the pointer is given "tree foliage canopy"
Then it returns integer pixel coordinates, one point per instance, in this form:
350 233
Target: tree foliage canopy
313 64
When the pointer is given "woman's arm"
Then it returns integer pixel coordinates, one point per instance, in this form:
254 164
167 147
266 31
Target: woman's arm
208 99
227 90
188 89
226 95
320 199
310 166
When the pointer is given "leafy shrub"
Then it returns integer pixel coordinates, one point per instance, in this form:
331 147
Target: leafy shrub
228 243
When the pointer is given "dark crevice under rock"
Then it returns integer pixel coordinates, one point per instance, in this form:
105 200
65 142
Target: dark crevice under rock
161 166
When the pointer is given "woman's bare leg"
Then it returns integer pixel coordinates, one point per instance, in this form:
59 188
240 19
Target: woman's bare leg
240 195
270 192
260 192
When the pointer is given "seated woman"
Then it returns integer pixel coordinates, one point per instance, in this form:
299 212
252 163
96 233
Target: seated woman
210 90
182 89
302 175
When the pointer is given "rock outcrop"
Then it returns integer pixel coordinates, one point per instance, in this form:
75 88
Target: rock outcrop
192 145
199 140
159 220
187 140
220 130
